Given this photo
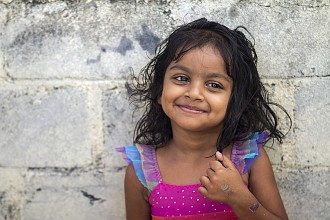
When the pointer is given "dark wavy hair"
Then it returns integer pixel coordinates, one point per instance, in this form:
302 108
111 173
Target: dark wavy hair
248 108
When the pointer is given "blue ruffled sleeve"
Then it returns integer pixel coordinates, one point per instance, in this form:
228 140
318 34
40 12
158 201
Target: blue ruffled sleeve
143 160
133 157
244 153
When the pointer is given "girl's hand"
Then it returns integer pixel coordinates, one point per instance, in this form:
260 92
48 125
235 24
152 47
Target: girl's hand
222 180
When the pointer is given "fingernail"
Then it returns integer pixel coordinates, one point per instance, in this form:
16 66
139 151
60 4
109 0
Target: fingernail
218 153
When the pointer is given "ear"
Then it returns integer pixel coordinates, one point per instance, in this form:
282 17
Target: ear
159 100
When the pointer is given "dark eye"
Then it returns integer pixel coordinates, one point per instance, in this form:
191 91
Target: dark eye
214 85
181 78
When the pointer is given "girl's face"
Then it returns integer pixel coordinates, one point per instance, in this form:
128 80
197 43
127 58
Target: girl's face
196 91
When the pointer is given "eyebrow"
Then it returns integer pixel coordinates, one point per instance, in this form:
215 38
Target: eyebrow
211 75
186 69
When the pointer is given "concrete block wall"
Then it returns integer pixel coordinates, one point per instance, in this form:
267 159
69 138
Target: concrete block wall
64 108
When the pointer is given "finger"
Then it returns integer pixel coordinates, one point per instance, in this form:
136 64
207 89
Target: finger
210 173
216 165
219 156
205 181
202 190
226 162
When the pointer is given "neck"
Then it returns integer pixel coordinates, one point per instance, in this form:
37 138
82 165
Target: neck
194 144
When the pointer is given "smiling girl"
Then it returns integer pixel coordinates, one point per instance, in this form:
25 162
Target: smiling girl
198 150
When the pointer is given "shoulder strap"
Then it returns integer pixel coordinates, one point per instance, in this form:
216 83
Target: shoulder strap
245 152
143 160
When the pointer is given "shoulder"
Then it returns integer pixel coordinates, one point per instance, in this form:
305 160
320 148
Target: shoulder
142 161
261 162
245 152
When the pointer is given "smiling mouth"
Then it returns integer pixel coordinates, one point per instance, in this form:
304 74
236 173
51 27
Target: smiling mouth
191 109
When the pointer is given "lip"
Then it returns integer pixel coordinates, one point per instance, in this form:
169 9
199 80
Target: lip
191 109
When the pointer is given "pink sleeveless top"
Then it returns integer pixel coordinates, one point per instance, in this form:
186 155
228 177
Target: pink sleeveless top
173 202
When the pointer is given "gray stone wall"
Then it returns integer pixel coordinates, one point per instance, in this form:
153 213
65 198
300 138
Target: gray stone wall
63 108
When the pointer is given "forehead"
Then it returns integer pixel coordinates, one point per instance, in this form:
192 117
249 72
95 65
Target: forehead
205 62
201 57
221 49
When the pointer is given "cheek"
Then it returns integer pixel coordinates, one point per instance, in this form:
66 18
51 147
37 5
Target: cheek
163 101
166 100
221 104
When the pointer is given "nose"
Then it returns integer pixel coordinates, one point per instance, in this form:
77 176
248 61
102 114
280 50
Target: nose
195 92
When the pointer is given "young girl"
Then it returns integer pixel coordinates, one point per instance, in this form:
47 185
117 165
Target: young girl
199 144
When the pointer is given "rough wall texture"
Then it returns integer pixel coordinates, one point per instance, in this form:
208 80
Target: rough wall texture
63 108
